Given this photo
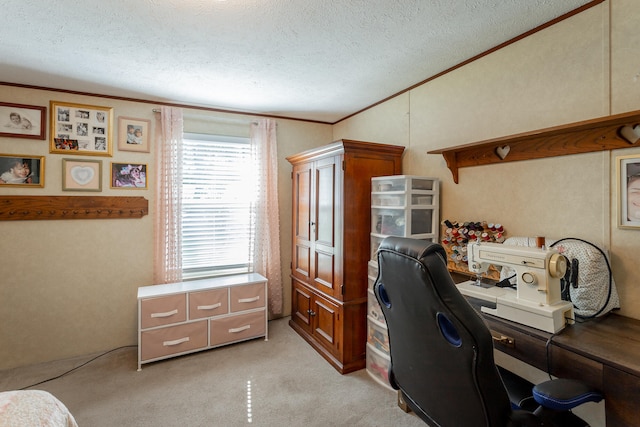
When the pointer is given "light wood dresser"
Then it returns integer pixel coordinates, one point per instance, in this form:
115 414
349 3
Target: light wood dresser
185 317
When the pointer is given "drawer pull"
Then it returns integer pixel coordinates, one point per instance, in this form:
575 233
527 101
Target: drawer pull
240 329
175 342
253 299
503 339
166 314
209 307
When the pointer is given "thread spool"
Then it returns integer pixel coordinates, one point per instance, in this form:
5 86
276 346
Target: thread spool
540 241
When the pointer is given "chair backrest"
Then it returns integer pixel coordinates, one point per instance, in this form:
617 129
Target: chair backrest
441 350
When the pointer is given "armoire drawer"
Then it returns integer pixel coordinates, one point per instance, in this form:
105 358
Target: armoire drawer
236 328
173 340
163 310
247 297
208 303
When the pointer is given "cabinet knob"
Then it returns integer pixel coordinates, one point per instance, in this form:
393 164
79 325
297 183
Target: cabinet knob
311 312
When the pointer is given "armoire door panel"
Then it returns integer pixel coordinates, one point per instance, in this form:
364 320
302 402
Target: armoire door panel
325 324
302 209
302 259
324 271
325 202
301 304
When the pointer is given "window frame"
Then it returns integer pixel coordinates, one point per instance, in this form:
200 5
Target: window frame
194 264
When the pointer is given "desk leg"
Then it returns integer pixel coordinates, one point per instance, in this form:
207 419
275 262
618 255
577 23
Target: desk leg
621 391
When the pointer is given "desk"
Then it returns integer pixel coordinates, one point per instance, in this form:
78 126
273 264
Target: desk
603 352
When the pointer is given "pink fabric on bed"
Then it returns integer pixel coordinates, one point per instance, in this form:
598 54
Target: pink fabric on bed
33 408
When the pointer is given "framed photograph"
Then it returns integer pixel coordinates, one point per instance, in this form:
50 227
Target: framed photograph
81 175
134 134
629 191
128 175
21 170
22 121
80 129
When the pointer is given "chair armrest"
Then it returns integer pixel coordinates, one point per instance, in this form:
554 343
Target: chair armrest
564 394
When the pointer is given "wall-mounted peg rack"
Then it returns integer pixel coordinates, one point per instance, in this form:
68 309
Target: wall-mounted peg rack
19 208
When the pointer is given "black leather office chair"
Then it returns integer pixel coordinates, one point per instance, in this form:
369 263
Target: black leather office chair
442 351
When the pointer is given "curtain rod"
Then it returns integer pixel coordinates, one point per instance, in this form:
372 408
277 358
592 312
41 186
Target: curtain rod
213 118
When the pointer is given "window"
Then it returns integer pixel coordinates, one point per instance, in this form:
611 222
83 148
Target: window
218 196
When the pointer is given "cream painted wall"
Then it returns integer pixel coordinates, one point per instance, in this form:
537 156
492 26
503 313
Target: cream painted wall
581 68
625 83
69 286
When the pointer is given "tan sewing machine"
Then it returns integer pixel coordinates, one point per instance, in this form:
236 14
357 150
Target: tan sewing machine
537 301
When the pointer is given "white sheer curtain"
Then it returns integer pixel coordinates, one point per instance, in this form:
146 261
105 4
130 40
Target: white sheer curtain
167 224
266 256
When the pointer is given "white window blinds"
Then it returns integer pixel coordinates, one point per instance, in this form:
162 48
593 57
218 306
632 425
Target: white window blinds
219 188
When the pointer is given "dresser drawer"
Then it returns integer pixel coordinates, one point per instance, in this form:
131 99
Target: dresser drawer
173 339
208 303
163 310
236 328
246 297
175 318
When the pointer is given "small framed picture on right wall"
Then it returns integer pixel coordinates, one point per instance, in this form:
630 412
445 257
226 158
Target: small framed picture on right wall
134 134
629 191
128 175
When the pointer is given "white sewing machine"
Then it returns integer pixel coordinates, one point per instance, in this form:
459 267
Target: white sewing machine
537 302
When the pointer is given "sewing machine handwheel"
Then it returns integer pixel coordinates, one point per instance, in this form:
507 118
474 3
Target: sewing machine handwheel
557 265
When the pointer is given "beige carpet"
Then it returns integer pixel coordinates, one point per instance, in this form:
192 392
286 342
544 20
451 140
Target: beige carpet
280 382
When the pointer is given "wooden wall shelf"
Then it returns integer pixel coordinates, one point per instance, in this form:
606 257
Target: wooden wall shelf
605 133
13 208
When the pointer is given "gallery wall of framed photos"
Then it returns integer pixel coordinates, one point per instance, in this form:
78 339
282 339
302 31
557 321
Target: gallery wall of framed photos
68 147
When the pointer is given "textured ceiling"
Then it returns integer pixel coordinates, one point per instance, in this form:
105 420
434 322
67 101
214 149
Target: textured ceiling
309 59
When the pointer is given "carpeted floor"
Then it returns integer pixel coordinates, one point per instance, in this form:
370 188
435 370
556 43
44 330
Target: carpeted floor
279 382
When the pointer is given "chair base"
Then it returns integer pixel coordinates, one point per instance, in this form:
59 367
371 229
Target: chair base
519 390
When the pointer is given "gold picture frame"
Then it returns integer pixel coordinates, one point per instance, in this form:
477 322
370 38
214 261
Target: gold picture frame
81 175
129 176
628 172
134 134
80 129
19 170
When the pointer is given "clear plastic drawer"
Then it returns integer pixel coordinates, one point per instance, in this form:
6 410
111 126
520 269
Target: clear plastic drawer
374 311
395 200
378 365
403 183
377 336
388 222
422 221
422 199
375 244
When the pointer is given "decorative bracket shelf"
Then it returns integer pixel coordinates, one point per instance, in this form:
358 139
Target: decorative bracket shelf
13 208
605 133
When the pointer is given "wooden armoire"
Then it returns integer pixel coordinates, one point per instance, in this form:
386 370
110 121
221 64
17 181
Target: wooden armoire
331 245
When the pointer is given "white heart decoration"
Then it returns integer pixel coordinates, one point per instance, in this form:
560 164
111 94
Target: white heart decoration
82 174
502 152
630 134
